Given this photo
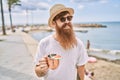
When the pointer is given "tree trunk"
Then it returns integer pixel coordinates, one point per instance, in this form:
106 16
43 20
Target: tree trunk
2 15
12 28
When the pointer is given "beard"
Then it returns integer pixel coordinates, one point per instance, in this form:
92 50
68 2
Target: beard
66 37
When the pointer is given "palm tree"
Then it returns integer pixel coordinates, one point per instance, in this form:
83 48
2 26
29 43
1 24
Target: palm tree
2 15
12 3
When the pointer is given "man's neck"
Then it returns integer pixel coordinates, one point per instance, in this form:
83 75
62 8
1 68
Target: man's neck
55 36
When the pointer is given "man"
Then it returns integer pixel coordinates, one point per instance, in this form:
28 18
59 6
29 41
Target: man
88 44
64 43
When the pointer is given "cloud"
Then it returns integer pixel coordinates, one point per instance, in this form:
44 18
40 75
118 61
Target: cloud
49 0
43 6
28 6
34 5
16 9
116 5
81 7
5 6
86 1
103 1
79 1
31 5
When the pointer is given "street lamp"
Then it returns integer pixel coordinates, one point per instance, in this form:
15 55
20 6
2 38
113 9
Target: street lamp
2 16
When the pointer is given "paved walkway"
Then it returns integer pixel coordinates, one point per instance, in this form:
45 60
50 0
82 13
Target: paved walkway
16 57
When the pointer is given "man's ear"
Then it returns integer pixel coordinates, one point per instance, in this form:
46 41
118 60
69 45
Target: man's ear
53 24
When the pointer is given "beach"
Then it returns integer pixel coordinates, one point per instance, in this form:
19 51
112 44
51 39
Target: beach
107 66
95 30
103 69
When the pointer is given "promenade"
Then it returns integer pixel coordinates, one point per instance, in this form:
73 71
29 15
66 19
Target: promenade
16 57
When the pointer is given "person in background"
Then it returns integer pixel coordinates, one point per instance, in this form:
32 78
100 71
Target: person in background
88 44
63 43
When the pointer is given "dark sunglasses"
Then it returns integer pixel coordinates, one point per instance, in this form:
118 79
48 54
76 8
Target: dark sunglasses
63 19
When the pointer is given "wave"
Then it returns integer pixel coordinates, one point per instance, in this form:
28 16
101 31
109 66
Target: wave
110 55
114 52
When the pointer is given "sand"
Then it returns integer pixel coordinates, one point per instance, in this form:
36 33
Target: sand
105 70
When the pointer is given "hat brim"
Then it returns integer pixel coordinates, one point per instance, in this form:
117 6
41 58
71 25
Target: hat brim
50 21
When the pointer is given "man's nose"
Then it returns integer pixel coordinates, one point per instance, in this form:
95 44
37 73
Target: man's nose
66 21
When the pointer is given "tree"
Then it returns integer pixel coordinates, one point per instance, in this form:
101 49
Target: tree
12 3
2 15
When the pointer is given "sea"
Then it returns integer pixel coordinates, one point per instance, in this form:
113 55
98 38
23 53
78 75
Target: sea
100 38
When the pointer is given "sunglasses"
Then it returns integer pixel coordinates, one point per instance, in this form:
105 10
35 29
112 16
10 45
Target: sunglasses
63 19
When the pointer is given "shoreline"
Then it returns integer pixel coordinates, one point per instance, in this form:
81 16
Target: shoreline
109 55
103 59
115 52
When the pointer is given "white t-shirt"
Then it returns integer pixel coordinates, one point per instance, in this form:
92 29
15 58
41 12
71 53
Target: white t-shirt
66 70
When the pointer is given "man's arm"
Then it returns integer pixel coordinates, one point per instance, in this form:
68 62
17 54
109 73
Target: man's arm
81 72
42 68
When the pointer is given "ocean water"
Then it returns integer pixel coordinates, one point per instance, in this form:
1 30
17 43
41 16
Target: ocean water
103 38
100 38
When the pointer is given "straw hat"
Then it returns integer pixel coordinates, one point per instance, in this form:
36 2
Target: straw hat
56 9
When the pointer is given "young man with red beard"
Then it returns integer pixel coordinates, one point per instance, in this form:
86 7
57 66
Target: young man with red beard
62 43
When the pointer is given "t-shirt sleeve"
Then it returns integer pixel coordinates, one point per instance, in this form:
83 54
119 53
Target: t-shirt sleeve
39 53
82 54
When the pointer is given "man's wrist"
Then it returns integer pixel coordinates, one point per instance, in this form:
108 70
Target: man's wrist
42 72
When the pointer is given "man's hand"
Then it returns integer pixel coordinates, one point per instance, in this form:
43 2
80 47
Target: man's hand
41 68
81 72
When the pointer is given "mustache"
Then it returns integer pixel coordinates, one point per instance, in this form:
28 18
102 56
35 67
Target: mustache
67 24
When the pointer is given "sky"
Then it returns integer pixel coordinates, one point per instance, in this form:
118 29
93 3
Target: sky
37 11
